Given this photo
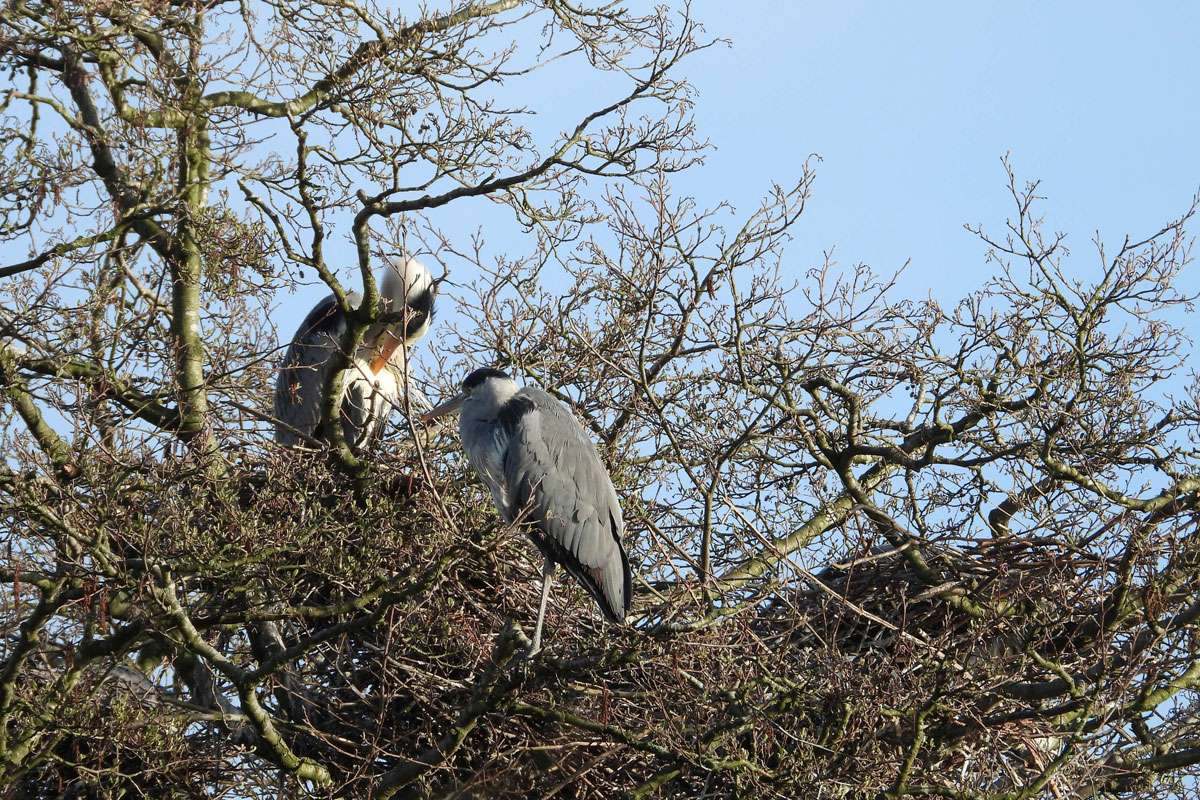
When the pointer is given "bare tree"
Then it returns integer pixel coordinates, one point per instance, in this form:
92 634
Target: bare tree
883 548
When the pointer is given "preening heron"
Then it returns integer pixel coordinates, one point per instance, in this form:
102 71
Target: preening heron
542 469
375 379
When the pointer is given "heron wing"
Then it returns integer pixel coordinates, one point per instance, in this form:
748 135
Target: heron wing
302 378
555 477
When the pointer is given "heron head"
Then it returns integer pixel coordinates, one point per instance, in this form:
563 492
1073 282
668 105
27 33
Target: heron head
407 283
486 385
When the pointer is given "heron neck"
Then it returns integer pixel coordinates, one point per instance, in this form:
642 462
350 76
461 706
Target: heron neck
495 393
485 403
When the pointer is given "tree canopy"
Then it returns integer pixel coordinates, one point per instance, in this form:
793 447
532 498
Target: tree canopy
881 547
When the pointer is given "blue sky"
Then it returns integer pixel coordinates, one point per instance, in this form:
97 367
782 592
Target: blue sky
912 105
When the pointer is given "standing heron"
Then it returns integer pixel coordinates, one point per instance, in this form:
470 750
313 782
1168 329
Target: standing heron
543 470
376 375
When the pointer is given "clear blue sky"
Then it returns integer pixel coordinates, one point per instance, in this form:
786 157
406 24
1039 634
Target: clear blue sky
911 106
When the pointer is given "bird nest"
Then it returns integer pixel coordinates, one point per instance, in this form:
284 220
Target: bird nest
913 596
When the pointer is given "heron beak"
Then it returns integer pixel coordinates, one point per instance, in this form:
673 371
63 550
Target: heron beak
448 407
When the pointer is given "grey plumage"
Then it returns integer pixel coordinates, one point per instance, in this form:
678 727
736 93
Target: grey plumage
552 469
542 469
375 379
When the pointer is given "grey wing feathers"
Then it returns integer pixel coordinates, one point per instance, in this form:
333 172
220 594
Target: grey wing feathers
552 470
301 381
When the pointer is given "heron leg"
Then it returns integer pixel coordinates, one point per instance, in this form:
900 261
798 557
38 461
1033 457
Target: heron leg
547 578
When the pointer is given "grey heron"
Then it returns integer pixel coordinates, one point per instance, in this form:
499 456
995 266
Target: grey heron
375 380
542 470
